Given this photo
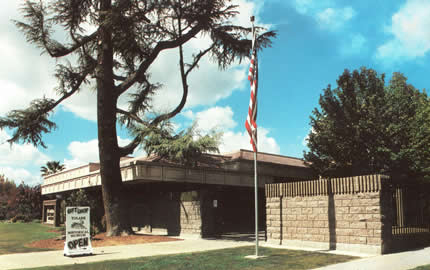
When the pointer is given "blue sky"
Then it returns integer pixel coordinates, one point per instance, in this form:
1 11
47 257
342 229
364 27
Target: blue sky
317 40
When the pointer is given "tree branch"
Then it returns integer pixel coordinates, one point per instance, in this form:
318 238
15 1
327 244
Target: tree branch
162 45
132 116
129 148
30 123
197 59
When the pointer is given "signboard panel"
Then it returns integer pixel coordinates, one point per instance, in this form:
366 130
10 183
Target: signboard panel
78 239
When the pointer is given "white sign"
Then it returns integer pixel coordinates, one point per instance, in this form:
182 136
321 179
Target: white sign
78 240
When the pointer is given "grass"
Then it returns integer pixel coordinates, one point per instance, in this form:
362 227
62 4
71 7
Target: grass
14 236
424 267
233 258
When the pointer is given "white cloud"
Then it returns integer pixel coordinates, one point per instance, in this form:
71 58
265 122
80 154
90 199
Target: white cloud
188 114
215 118
232 141
221 118
410 31
354 44
334 18
21 175
19 154
325 12
83 104
85 152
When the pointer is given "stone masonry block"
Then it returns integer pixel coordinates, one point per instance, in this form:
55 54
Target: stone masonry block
364 217
319 224
313 217
313 230
276 236
302 230
301 204
317 238
275 211
287 223
272 229
342 239
276 224
342 224
373 209
360 232
376 217
318 210
322 217
373 195
306 211
292 230
347 203
312 204
374 225
307 237
291 217
324 231
342 197
357 240
323 203
343 232
302 217
358 224
276 218
358 210
296 211
342 210
374 241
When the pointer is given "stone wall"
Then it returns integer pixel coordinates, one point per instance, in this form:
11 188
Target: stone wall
351 221
190 217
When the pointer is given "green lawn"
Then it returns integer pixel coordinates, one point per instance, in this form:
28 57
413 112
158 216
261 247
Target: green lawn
220 259
13 236
424 267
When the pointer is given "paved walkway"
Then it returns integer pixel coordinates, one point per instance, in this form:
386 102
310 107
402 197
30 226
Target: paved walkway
398 261
51 258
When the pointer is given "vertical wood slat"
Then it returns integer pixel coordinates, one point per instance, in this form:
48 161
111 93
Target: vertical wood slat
318 187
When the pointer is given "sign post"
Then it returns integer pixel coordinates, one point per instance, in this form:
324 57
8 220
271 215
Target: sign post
78 239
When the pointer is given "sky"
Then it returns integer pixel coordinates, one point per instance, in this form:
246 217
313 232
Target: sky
317 40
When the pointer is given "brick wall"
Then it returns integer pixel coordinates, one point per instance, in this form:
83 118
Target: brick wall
350 221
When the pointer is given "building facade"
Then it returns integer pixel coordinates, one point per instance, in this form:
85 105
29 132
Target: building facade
214 197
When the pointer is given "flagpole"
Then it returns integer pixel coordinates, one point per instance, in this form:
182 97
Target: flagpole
255 166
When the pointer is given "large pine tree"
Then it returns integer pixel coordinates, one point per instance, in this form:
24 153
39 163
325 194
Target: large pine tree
128 37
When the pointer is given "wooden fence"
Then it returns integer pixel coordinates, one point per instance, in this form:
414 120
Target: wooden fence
345 185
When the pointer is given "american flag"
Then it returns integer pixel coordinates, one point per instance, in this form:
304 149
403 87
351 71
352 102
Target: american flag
251 124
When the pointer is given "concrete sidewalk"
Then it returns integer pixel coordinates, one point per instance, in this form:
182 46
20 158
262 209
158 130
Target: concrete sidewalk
52 258
397 261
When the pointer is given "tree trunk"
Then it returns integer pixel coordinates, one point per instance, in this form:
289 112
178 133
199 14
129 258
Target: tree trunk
114 199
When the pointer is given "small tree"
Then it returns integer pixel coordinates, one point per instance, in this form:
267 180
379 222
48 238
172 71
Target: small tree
128 37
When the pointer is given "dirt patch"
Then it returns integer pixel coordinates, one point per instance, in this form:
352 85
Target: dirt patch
100 240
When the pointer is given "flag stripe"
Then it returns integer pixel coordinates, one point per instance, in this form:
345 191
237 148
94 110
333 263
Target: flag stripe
251 120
